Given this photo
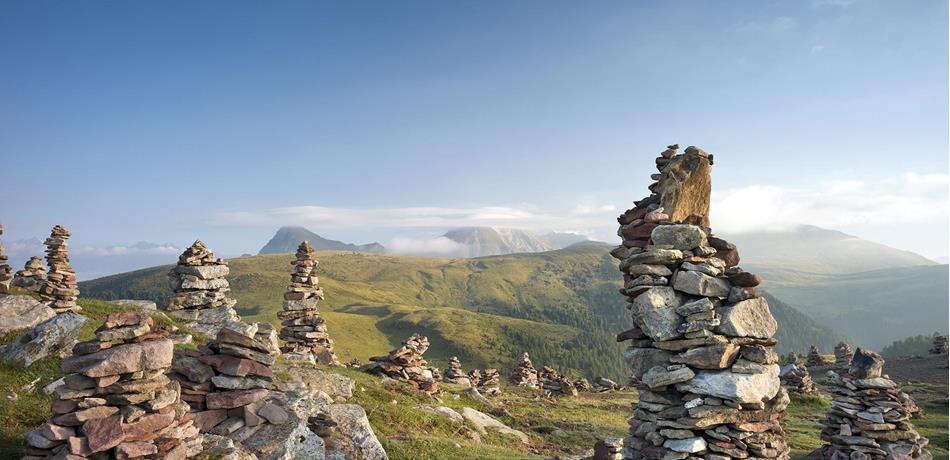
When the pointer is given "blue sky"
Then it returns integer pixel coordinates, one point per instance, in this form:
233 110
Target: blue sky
168 121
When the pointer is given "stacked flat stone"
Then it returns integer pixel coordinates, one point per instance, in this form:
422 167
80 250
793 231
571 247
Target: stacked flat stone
490 383
555 384
608 449
60 289
525 375
869 417
6 272
303 330
702 336
228 381
33 275
796 379
202 294
814 358
116 401
603 384
843 353
582 384
406 364
940 345
455 374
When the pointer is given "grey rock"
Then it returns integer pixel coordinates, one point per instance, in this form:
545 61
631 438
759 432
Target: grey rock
46 339
698 283
483 421
140 304
646 269
655 312
445 412
660 376
680 236
205 272
741 388
354 427
694 307
749 318
688 445
289 441
656 256
22 312
642 360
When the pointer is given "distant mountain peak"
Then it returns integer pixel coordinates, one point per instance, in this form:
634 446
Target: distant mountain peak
491 241
287 238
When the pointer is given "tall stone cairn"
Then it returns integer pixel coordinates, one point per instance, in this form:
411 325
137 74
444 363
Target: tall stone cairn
6 272
227 382
406 363
60 289
525 375
116 401
202 294
701 342
814 358
940 345
843 353
869 417
33 275
455 374
303 330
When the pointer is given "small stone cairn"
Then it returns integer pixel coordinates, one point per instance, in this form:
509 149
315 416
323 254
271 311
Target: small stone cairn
869 417
227 381
303 330
814 358
455 374
116 401
582 384
702 335
201 291
33 275
603 385
796 379
555 384
6 272
525 375
843 354
608 449
490 383
940 345
406 364
60 289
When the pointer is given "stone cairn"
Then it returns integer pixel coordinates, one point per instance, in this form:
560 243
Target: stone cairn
455 374
303 330
702 335
33 275
869 417
796 379
405 363
490 383
814 358
940 345
843 353
115 401
228 381
555 384
60 288
582 384
608 449
201 291
603 384
6 272
525 375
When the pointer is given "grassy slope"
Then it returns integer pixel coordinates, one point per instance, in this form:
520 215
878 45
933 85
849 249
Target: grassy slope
487 310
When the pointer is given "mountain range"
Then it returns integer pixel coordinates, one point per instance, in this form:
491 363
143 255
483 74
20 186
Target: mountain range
288 238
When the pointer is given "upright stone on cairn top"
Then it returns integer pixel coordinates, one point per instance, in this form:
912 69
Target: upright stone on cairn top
302 329
201 291
701 336
60 289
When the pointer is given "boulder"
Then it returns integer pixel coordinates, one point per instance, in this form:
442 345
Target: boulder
359 439
22 312
655 312
742 388
447 412
698 283
289 441
748 318
483 421
46 339
683 236
866 364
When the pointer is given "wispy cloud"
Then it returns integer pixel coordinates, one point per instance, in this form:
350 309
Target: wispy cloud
905 199
438 246
772 25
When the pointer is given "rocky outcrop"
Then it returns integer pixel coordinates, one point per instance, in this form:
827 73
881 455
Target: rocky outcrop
32 277
940 345
869 417
406 364
843 353
6 272
455 374
49 338
60 290
202 294
701 335
303 330
22 312
525 375
358 439
116 401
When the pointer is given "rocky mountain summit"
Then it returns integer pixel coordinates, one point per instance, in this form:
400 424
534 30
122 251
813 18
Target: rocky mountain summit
702 336
287 238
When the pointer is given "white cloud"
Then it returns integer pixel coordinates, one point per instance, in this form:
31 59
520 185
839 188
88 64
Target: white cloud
908 198
439 246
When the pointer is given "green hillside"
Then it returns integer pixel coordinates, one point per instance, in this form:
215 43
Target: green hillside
561 306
